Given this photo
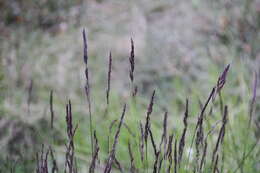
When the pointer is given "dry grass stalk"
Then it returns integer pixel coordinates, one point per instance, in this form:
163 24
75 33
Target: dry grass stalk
149 111
215 169
118 165
54 162
51 108
109 77
153 142
199 126
155 165
85 48
141 144
95 157
169 153
70 158
147 124
202 162
42 161
182 140
175 156
110 131
132 164
111 157
164 134
221 133
87 88
160 163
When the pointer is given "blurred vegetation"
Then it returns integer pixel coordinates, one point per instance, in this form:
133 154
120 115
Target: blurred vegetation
181 47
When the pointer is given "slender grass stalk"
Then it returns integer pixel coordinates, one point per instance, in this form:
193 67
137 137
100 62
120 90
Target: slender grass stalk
87 89
141 145
215 169
95 157
54 162
29 98
70 152
221 134
132 164
200 121
110 131
111 157
147 126
203 158
153 142
182 140
51 108
169 153
175 156
109 78
119 167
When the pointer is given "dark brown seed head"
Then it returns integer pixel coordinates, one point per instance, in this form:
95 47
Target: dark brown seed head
222 79
132 61
51 108
85 49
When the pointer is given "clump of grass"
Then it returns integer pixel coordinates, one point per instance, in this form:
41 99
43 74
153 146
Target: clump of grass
145 152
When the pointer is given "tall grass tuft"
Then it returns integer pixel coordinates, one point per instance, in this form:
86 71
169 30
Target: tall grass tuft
167 151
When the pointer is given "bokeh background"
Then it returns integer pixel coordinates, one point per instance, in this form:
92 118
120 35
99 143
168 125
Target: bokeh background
181 47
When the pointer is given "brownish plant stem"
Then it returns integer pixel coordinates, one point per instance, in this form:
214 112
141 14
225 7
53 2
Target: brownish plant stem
51 108
87 88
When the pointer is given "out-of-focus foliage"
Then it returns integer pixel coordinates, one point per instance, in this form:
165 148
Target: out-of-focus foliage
32 13
180 48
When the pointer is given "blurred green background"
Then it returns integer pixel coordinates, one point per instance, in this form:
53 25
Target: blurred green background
181 47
